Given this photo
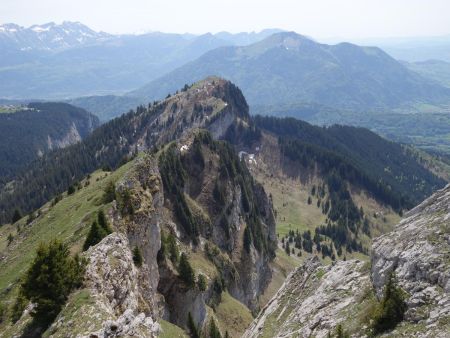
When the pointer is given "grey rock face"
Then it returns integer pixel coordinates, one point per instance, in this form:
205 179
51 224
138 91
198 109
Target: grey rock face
143 184
418 251
313 300
114 305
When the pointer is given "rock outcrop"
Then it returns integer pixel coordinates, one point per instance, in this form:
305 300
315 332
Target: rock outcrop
110 305
141 189
315 299
418 251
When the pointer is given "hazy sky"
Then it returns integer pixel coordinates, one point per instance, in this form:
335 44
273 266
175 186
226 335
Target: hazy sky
317 18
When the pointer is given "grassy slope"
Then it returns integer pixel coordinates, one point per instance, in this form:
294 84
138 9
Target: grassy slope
68 220
289 198
170 330
294 213
232 316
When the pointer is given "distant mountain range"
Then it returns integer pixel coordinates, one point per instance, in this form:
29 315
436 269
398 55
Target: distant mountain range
434 69
53 61
288 67
411 49
281 73
49 36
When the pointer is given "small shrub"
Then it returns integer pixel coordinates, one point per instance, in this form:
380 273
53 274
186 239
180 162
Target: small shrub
137 256
71 190
186 271
213 330
99 230
391 309
16 216
201 282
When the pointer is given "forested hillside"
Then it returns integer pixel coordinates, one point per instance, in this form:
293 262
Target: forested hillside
390 171
201 106
381 167
34 129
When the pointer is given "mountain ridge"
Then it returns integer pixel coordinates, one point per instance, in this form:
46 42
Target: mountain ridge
342 75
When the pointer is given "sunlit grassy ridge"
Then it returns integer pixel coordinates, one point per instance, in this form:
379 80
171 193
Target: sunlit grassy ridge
68 221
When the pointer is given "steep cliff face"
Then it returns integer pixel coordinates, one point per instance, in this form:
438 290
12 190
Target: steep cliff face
220 215
418 251
315 299
120 299
138 213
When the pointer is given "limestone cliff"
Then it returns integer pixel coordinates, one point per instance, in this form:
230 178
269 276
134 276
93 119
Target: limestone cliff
315 299
110 304
418 250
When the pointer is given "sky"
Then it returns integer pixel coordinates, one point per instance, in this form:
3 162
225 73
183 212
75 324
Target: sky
316 18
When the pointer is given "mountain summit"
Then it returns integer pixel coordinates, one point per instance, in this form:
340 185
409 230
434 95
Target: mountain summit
288 67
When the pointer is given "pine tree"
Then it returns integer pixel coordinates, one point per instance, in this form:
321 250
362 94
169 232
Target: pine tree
201 282
109 194
31 217
2 312
392 307
172 248
50 279
137 256
213 330
247 239
193 330
16 216
186 271
99 230
10 239
71 190
19 306
287 248
103 222
95 235
340 333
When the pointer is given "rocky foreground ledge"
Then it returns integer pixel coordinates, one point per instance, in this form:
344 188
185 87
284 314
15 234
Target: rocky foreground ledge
418 250
110 303
315 299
